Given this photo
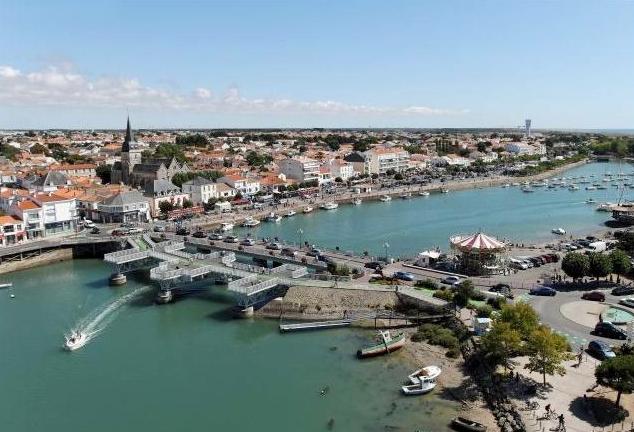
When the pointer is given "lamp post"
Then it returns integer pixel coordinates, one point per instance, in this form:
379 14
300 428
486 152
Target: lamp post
386 245
300 233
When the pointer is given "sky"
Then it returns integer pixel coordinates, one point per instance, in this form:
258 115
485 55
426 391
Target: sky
302 63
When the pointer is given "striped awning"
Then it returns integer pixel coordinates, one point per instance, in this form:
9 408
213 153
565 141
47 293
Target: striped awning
476 241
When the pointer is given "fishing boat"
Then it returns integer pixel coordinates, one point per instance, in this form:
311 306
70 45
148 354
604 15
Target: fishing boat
226 226
250 222
272 217
357 201
386 198
425 373
406 196
75 340
559 231
423 193
291 213
330 205
386 345
307 209
463 424
444 190
6 285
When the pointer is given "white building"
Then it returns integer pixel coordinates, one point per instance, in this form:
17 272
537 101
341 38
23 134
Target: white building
125 207
32 217
341 169
59 213
300 168
11 231
520 149
379 160
201 190
244 185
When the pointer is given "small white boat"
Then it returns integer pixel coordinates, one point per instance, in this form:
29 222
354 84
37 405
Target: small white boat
330 205
386 198
558 231
590 187
427 372
424 381
573 187
406 196
527 189
515 184
590 201
506 185
605 207
307 209
250 222
357 201
423 193
226 226
272 217
444 190
75 340
6 285
290 213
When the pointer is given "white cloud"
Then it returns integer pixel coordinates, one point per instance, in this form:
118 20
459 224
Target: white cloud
54 86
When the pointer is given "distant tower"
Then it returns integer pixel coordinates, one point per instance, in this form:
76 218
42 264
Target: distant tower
527 130
130 154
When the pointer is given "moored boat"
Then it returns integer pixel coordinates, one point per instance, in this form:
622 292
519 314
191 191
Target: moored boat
444 191
330 205
406 196
463 424
386 198
423 193
290 213
386 345
250 222
559 231
6 285
424 373
226 226
357 201
307 209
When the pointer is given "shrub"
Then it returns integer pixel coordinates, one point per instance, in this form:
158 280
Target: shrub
444 295
453 353
484 311
427 283
478 296
496 302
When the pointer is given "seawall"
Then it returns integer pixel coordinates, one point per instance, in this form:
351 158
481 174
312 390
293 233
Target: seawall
44 258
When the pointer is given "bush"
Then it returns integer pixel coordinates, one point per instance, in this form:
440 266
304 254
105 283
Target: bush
496 302
427 283
484 311
453 353
478 296
444 294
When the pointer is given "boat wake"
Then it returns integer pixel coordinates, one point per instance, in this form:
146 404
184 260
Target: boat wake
98 320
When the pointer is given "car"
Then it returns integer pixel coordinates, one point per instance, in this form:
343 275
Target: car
215 236
274 246
231 239
248 242
451 280
289 252
374 265
88 223
623 290
629 301
406 276
593 295
134 231
199 234
313 252
127 225
600 349
607 329
543 291
503 289
182 231
158 228
117 232
95 230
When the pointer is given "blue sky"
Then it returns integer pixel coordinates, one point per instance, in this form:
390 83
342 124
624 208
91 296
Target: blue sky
565 64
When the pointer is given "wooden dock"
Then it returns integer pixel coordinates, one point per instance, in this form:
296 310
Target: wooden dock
316 325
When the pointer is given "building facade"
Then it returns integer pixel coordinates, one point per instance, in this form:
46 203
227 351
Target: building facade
300 168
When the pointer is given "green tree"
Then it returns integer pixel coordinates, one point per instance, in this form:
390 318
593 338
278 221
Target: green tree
575 265
255 159
547 350
166 207
600 265
104 172
501 343
620 263
187 203
618 374
464 292
521 316
38 149
168 151
195 140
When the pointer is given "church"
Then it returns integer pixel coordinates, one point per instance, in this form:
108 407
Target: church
141 172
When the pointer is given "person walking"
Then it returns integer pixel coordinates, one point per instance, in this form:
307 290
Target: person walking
562 422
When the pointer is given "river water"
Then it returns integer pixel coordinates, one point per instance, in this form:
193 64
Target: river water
188 366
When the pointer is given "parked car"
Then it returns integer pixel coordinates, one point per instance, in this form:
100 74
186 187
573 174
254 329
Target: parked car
629 301
215 236
231 239
607 329
95 230
248 242
623 290
313 252
199 234
374 265
594 295
274 246
406 276
543 291
117 232
88 223
159 228
134 231
600 349
182 231
289 252
451 280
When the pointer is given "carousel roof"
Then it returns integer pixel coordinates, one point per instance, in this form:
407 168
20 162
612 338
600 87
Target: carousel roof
477 241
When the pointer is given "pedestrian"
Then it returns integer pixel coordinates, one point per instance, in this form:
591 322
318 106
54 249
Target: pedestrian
562 422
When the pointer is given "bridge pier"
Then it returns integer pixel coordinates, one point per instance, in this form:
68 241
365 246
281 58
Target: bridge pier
245 313
117 279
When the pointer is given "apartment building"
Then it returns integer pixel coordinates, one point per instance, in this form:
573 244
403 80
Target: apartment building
300 168
245 186
381 159
201 190
11 231
59 213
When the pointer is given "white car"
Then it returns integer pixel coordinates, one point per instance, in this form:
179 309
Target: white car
89 224
451 280
628 301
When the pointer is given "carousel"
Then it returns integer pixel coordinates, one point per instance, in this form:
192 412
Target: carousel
478 254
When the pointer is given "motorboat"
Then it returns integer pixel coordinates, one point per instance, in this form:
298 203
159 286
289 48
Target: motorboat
425 373
444 191
515 184
573 187
559 231
386 345
406 196
357 201
527 189
591 187
75 340
506 185
307 209
602 187
386 198
226 226
605 207
423 193
466 425
291 213
272 217
6 285
590 201
250 222
330 205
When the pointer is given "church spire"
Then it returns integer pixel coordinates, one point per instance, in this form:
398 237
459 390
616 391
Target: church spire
129 138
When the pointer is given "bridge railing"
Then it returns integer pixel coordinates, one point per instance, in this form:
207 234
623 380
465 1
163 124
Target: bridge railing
125 256
255 288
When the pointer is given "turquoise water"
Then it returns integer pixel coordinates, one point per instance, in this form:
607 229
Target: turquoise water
617 315
410 226
185 366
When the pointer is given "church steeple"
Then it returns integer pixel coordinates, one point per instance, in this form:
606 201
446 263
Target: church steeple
129 138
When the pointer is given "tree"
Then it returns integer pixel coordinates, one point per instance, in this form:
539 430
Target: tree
103 172
521 316
168 151
38 149
187 203
464 292
256 159
600 265
618 374
575 265
547 350
195 140
501 343
166 207
620 262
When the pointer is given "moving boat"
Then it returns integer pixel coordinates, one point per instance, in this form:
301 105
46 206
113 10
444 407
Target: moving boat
307 209
590 201
357 201
250 222
386 345
6 285
423 193
291 213
75 341
463 424
386 198
330 205
559 231
226 226
425 373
